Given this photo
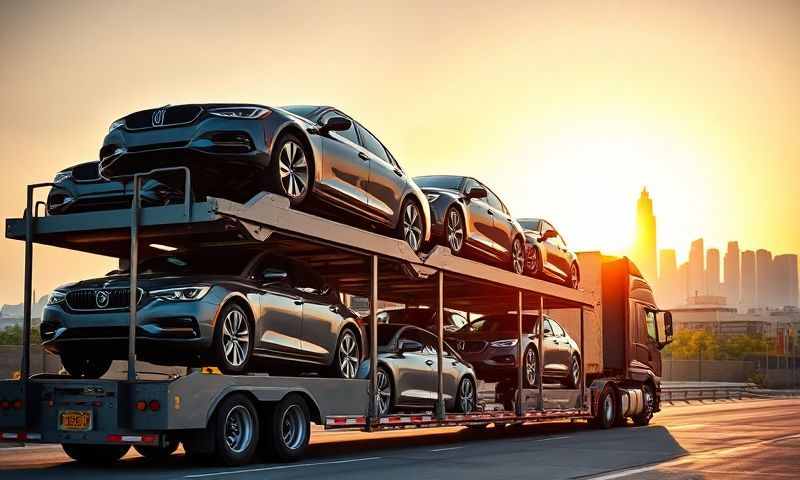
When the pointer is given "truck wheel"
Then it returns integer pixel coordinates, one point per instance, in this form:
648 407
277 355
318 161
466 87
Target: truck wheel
95 454
649 406
90 368
287 435
235 424
157 453
606 417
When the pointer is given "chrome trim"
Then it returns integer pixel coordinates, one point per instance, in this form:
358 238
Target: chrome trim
164 125
94 292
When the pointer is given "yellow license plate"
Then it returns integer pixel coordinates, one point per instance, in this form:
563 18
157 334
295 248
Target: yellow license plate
75 420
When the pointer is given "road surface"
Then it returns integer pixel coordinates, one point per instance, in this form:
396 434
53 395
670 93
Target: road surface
737 439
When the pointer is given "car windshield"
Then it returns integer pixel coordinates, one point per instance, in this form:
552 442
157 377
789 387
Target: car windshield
304 111
412 316
530 223
200 262
501 323
386 333
449 182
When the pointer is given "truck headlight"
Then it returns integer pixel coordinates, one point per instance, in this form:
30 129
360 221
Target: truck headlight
240 112
183 294
510 342
56 297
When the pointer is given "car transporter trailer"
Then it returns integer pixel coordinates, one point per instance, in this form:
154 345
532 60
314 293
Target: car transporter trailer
97 420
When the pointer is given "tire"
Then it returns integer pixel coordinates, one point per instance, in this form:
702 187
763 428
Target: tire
574 374
384 397
287 434
236 430
89 368
533 262
466 396
157 453
607 414
574 279
649 406
233 329
530 360
292 170
411 225
95 454
518 256
347 356
455 230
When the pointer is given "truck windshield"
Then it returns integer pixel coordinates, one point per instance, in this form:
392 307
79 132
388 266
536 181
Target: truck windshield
502 323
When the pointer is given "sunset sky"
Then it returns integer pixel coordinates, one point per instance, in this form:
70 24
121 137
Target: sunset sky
566 109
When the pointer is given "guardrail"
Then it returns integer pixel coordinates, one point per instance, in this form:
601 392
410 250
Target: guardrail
721 391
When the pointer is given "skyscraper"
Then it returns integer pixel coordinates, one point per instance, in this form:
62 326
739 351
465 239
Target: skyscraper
667 288
732 273
697 270
683 283
785 281
712 272
748 272
644 249
764 292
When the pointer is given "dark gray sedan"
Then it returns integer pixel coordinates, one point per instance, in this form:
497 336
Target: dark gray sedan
212 305
407 372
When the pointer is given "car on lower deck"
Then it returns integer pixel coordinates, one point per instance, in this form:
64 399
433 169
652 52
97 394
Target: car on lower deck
547 255
472 221
240 309
424 318
317 156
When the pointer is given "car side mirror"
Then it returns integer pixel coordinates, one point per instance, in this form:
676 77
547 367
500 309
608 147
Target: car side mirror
273 276
409 346
663 328
549 234
337 124
476 192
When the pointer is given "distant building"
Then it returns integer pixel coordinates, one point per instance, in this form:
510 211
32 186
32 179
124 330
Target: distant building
711 314
683 283
764 290
785 281
697 270
748 283
644 249
712 272
668 291
732 274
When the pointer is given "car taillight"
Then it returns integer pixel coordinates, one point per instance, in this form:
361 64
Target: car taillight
141 405
18 404
155 405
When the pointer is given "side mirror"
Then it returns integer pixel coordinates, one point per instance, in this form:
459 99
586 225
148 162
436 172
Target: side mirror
549 234
664 328
337 124
409 346
476 192
273 276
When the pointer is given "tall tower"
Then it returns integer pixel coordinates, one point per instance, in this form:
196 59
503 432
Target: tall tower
748 293
668 291
784 270
764 292
712 272
732 273
644 249
697 269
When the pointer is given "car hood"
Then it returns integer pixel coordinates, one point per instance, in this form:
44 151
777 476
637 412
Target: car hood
148 282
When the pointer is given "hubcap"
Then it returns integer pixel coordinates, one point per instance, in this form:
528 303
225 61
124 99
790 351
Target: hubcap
238 428
455 231
533 262
573 276
348 356
530 367
519 256
608 408
383 396
293 427
412 226
293 170
467 396
235 338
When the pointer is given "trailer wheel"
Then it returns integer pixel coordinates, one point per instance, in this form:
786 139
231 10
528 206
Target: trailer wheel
649 406
95 454
90 368
235 425
287 434
606 416
157 453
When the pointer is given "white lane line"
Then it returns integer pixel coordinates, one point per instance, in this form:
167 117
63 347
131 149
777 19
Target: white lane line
280 467
445 449
687 426
552 438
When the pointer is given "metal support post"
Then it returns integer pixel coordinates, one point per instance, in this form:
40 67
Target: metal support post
583 364
134 280
25 367
440 413
373 341
540 369
520 408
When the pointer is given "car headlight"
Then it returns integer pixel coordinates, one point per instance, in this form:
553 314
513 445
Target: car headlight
510 342
183 294
240 112
115 125
432 197
56 298
62 176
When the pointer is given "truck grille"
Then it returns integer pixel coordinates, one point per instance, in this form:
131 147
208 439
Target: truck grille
98 299
172 116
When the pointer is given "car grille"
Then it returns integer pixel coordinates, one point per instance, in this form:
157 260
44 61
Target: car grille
86 172
177 115
473 347
91 299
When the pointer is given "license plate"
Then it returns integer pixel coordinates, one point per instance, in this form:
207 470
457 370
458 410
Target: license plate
75 420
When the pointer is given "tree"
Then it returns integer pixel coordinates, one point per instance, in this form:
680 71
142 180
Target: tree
687 345
12 335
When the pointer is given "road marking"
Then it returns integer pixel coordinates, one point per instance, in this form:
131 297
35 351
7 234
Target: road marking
280 467
552 438
687 426
445 449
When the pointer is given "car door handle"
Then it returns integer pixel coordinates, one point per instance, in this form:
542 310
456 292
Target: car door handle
429 362
298 302
334 308
490 212
363 156
398 172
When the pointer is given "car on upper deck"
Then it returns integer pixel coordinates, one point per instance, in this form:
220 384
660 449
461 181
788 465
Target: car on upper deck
547 255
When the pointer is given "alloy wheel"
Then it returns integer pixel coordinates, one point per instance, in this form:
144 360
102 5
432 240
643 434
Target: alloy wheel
576 371
518 256
412 226
455 231
293 170
383 394
573 276
235 338
293 427
348 355
467 396
239 428
530 367
533 262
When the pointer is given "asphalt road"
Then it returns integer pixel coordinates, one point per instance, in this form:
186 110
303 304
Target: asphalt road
737 439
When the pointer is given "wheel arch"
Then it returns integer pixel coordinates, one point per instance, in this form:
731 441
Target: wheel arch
291 127
423 204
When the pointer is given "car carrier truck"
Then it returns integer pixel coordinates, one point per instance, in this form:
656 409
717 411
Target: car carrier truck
232 417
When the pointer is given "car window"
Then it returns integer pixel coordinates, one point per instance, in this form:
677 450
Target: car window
372 144
307 280
561 241
349 134
471 183
503 323
493 201
548 327
429 342
557 330
457 320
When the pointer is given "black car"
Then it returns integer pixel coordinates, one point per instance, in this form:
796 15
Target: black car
547 255
470 219
211 305
81 189
302 152
424 318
